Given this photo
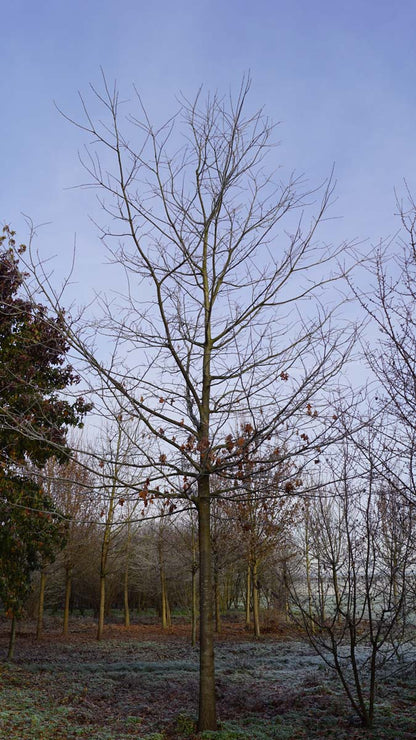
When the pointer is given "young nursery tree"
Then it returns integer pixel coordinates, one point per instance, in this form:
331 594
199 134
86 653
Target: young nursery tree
222 310
259 519
361 558
72 488
390 303
110 498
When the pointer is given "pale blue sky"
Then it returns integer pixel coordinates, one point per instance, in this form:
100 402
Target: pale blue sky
339 76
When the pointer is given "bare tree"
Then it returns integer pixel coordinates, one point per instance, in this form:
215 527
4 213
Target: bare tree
115 454
226 550
230 302
129 512
260 519
361 556
72 490
389 300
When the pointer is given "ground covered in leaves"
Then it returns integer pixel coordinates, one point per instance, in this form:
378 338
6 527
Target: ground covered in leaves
142 683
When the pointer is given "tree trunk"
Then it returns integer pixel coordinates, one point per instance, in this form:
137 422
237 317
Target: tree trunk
164 600
227 591
207 705
336 591
285 592
126 579
68 587
165 609
105 547
194 607
256 600
248 596
101 610
126 598
308 572
321 591
217 602
41 604
107 534
12 639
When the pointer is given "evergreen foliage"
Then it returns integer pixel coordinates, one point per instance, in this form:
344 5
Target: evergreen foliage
34 421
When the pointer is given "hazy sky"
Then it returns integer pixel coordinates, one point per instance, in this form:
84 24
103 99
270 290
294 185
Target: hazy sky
339 76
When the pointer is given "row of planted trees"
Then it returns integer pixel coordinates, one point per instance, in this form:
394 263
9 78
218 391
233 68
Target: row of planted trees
336 555
116 554
309 546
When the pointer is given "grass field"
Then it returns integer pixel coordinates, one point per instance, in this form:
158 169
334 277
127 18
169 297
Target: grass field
142 683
